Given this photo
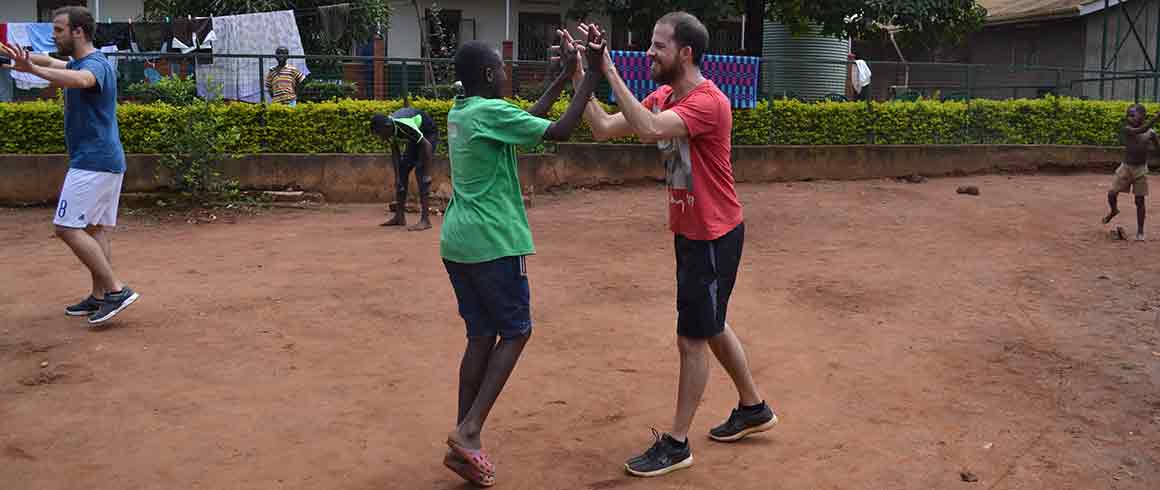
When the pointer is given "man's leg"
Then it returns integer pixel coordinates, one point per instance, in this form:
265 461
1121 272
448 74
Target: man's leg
402 175
693 380
423 181
101 235
729 352
92 255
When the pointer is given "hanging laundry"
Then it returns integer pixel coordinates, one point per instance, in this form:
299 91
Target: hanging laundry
152 37
334 19
6 86
261 33
40 37
18 35
117 34
112 59
192 34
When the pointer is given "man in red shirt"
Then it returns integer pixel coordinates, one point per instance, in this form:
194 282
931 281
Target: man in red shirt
691 121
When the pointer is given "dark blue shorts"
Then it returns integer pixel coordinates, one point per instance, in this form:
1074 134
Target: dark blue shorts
494 297
706 273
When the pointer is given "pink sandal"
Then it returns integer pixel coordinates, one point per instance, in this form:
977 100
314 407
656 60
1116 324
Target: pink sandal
481 467
464 469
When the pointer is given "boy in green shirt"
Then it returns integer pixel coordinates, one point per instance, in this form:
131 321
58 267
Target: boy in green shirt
485 234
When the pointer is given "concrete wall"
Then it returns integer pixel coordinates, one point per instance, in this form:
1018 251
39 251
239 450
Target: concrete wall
118 10
366 178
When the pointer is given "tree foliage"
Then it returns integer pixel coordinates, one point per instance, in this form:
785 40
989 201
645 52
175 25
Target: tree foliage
927 22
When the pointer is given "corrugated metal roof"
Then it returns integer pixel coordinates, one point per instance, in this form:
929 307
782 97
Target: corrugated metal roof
1005 11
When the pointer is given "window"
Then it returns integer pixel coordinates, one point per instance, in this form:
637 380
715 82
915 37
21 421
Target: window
537 35
44 8
443 33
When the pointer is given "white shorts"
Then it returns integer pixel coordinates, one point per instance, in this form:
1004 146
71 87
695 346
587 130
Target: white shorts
88 198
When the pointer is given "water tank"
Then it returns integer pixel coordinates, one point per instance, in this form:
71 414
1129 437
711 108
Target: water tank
809 66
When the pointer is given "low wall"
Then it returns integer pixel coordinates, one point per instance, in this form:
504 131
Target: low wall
368 178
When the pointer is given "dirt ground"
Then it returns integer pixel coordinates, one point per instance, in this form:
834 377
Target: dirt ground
904 334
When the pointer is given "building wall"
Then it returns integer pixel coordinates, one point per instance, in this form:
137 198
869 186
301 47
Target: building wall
118 10
18 11
1130 57
1011 52
488 16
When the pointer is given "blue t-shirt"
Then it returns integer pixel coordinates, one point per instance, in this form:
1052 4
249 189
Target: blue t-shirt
90 119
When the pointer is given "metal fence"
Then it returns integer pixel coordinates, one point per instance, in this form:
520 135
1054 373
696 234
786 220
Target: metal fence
365 77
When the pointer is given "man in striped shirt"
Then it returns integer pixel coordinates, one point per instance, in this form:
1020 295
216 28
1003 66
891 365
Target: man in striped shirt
282 81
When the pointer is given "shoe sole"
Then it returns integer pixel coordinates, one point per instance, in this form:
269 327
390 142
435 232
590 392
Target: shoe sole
128 301
80 313
747 432
687 462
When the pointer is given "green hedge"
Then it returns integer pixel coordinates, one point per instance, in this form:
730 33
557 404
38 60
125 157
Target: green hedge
343 127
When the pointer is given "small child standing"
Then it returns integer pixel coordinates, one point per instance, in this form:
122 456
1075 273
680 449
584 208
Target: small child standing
1132 175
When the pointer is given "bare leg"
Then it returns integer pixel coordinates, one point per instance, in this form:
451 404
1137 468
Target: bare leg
92 255
1141 213
471 371
499 368
729 352
1112 206
694 378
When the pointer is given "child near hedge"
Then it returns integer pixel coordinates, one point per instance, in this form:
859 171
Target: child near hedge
485 234
1132 174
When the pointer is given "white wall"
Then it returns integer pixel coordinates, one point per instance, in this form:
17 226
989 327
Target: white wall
403 37
119 10
18 11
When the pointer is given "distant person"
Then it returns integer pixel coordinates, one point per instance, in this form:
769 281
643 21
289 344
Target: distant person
485 235
859 77
691 120
420 134
283 80
1132 174
87 210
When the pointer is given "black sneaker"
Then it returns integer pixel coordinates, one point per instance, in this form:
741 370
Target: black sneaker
113 304
665 456
743 422
86 307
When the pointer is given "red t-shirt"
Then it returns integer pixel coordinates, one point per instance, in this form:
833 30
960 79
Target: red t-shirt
703 203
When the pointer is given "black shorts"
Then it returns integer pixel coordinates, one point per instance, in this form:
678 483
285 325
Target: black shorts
706 273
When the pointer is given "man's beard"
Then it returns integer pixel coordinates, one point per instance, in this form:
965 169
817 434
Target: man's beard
664 75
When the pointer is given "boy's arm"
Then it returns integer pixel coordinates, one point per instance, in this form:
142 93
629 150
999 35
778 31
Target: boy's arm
426 152
1144 128
562 129
541 107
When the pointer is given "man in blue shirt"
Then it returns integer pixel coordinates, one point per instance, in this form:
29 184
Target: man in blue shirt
87 210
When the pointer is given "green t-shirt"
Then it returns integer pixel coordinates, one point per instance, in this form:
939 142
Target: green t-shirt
486 219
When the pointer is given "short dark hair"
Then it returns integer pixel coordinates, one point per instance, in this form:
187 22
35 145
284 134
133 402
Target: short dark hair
78 18
688 31
1138 107
379 122
470 61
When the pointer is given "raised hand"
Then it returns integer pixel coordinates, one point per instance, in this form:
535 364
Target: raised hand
568 55
21 59
595 47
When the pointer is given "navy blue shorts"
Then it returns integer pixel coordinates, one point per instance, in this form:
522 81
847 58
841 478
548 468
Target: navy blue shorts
494 297
706 273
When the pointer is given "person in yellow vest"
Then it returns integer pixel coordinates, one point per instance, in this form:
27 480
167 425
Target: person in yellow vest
282 81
